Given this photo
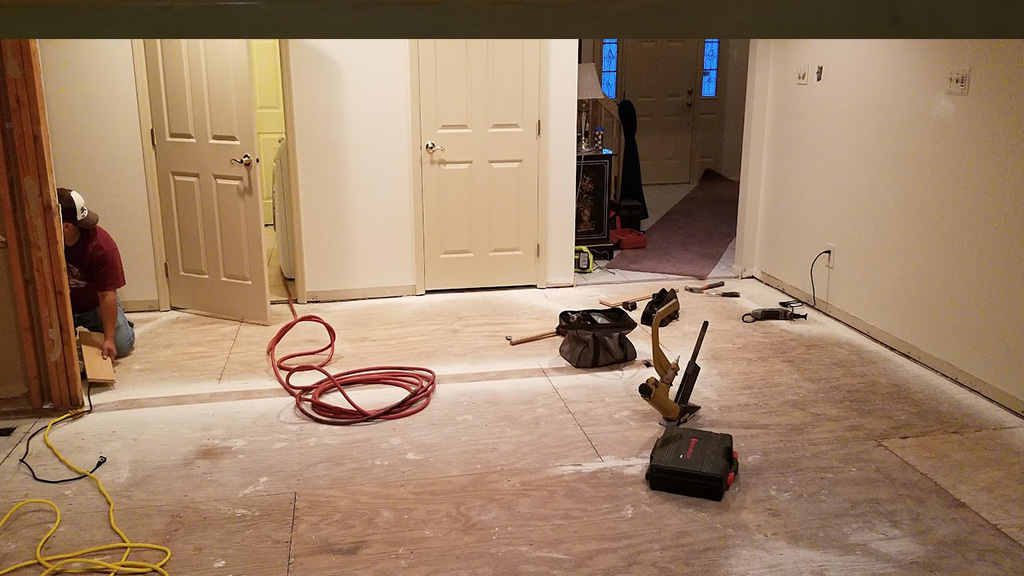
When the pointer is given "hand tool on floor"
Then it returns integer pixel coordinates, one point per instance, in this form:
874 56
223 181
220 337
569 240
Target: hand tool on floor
685 460
531 338
628 303
655 390
726 294
771 314
701 289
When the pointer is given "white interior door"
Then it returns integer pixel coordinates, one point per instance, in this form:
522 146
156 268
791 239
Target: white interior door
660 78
269 104
201 98
479 105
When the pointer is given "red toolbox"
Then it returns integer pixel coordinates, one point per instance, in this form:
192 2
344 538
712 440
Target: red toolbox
627 239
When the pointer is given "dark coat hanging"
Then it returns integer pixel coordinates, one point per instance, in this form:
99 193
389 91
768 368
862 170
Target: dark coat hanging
632 183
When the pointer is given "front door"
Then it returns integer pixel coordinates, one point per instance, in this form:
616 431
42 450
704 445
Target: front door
479 112
201 97
660 78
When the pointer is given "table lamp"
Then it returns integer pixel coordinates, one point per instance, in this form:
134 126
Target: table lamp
588 89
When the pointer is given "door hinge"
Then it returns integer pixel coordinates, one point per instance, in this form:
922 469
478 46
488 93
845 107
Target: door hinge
538 128
538 250
152 137
167 270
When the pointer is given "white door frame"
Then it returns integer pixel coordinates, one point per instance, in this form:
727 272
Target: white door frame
152 180
417 167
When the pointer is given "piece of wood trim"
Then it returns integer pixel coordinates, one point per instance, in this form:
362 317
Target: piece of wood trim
543 161
98 370
156 222
295 225
146 305
361 293
417 166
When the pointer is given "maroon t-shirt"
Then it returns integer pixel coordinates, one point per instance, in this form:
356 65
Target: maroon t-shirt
94 265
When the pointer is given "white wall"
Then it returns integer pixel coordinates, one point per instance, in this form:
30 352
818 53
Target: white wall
733 60
353 146
353 142
561 153
93 114
920 191
353 139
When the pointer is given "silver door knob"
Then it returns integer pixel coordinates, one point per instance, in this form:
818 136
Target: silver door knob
245 160
431 147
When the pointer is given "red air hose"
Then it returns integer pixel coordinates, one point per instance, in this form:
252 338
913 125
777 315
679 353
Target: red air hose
419 383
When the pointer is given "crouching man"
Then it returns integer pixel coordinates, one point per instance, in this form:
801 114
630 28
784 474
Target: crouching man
94 275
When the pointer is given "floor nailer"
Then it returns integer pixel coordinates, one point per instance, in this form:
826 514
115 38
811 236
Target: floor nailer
684 460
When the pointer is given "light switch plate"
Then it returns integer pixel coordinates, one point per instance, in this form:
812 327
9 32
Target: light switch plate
959 81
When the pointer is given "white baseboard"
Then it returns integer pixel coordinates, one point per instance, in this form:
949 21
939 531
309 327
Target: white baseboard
990 391
141 305
359 293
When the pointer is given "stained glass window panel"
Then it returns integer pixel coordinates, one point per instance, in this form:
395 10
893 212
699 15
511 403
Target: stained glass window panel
709 85
709 88
608 84
609 66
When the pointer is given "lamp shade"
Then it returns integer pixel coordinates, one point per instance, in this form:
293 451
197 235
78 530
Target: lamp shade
588 87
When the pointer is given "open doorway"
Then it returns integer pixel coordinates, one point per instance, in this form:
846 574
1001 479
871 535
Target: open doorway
685 100
220 175
271 133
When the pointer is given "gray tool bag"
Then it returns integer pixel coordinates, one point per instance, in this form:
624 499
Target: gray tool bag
596 337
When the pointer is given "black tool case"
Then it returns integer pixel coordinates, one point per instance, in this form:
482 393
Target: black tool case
693 463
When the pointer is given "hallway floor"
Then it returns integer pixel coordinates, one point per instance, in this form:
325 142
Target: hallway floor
853 459
660 199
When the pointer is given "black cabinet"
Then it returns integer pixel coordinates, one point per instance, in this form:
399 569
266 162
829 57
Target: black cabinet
593 195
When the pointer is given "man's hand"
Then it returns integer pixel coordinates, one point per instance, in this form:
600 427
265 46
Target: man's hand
108 316
108 349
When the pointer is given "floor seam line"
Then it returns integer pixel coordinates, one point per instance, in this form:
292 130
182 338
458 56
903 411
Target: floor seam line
28 430
227 357
291 533
574 419
954 496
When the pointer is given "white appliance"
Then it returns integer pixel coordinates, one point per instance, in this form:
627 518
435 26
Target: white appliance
282 210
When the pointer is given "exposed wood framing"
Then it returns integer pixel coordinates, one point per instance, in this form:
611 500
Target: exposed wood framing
34 230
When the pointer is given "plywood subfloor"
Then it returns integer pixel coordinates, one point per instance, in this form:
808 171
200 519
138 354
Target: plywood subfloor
853 460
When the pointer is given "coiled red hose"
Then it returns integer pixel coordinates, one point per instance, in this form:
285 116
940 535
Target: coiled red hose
419 383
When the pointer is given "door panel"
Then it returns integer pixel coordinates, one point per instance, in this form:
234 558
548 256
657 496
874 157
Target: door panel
201 99
479 99
660 78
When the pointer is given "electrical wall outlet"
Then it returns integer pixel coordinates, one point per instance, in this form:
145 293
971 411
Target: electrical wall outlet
818 73
801 73
959 81
831 262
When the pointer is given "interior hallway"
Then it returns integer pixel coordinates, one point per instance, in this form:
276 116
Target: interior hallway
853 459
660 199
275 278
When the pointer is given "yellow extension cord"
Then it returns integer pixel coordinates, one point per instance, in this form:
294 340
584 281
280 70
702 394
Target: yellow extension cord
76 562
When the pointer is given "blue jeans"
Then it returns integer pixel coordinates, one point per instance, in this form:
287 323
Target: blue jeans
124 329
